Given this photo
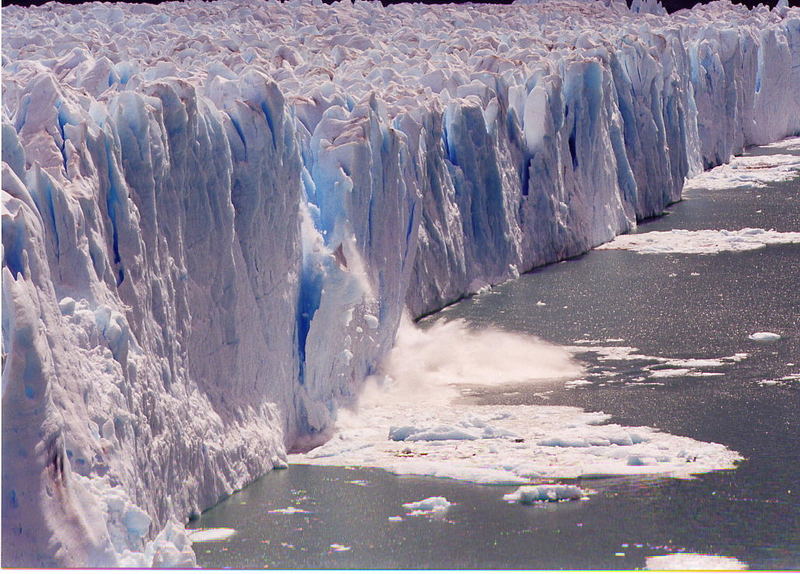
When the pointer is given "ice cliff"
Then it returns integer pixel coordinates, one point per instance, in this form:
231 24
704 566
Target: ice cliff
215 214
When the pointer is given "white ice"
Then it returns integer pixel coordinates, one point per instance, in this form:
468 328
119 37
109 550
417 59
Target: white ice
702 242
790 144
765 337
532 494
431 505
210 534
689 561
748 171
288 510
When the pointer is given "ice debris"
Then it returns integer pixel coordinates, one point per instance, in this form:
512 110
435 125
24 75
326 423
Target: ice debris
701 242
434 504
690 561
764 337
532 494
210 534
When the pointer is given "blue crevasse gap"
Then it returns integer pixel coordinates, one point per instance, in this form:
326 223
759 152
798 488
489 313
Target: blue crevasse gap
310 294
112 198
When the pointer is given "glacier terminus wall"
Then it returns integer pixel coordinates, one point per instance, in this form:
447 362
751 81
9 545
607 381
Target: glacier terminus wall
215 214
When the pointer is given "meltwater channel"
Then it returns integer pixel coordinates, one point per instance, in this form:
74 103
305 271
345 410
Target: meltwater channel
665 305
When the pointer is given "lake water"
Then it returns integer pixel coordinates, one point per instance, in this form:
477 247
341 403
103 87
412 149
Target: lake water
666 305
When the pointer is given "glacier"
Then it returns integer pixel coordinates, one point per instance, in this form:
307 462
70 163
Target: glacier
215 215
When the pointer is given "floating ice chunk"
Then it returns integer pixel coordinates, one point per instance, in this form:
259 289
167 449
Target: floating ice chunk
288 510
546 493
702 242
689 561
429 505
210 534
764 337
666 373
749 171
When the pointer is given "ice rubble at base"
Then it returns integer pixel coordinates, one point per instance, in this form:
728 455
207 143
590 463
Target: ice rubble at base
523 444
197 195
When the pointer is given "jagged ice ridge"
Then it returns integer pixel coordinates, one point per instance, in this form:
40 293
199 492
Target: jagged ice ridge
215 214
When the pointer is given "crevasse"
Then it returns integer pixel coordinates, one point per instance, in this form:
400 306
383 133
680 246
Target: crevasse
215 214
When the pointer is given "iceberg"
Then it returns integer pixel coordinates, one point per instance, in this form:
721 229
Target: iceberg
215 215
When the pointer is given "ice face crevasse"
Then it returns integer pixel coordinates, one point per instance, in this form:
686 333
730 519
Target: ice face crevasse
214 215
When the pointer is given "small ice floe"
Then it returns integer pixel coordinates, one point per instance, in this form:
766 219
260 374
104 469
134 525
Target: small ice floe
764 337
210 534
288 510
339 548
532 494
788 380
688 561
434 504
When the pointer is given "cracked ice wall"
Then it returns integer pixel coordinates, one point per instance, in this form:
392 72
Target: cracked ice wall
215 214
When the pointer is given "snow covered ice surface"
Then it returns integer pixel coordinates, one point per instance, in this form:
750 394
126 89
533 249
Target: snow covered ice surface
215 214
688 561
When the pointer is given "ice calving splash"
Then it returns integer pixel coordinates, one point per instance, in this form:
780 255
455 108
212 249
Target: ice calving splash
427 366
416 424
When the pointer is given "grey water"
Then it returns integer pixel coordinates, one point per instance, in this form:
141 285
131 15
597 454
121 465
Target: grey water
676 306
